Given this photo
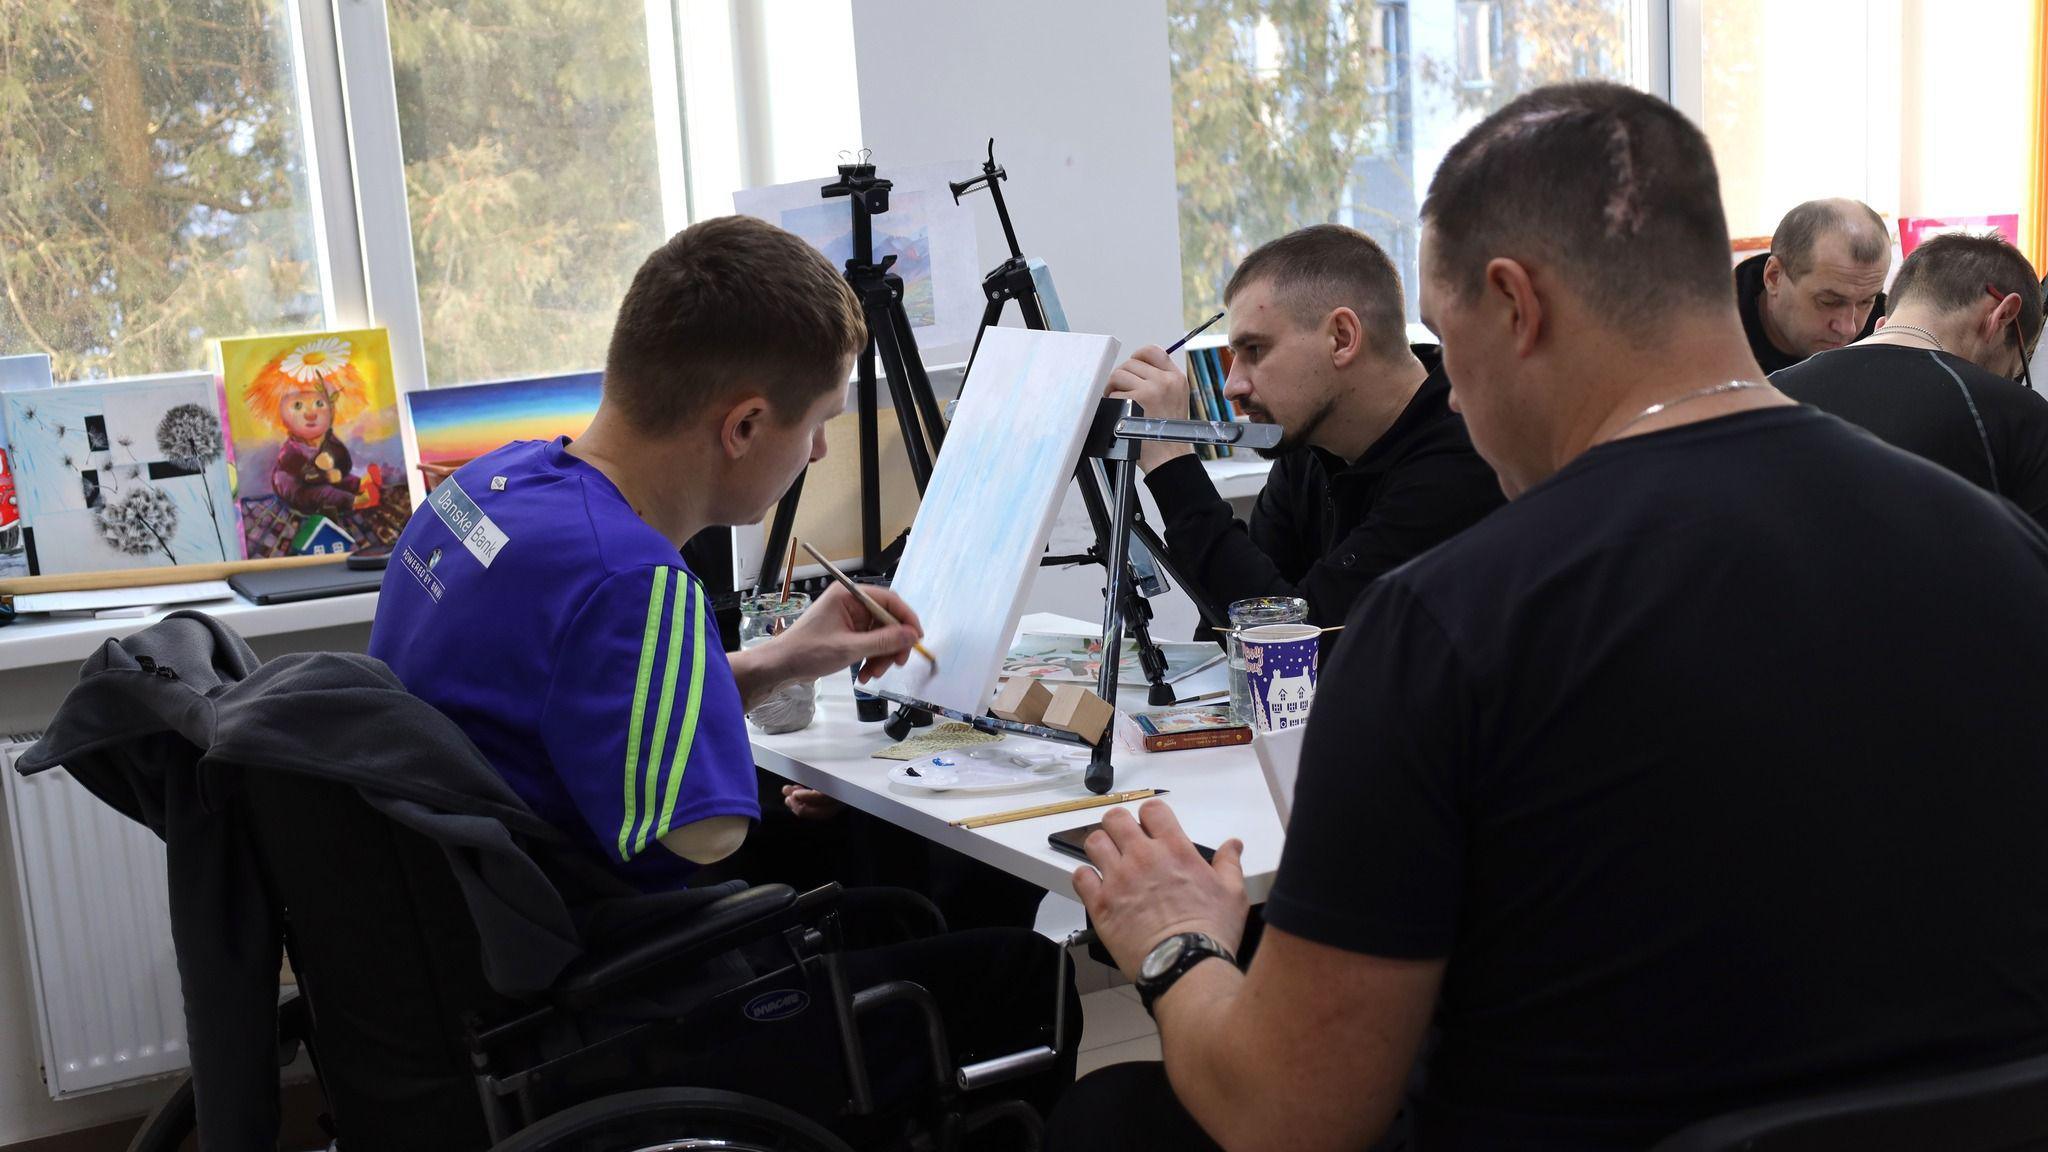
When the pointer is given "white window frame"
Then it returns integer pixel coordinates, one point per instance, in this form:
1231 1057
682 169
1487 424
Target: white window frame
707 90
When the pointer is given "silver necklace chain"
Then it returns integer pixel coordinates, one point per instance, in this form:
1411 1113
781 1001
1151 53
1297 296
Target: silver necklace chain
1916 330
1695 394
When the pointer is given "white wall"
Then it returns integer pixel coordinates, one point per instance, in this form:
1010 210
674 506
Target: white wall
1078 97
1076 94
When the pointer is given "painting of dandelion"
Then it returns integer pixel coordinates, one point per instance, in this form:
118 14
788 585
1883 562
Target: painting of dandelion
127 474
314 420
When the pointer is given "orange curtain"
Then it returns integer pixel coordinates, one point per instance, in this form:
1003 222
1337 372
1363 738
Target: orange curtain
2034 212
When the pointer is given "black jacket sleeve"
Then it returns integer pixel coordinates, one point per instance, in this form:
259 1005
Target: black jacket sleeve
1428 498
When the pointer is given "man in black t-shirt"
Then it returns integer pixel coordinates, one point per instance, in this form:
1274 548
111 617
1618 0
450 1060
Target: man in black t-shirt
1941 378
1820 286
1375 468
1704 774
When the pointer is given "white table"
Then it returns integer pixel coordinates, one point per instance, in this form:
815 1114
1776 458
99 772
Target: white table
1217 793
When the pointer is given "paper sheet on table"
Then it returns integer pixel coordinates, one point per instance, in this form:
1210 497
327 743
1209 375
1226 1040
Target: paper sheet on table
932 238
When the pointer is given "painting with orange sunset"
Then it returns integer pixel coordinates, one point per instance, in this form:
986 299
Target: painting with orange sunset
456 425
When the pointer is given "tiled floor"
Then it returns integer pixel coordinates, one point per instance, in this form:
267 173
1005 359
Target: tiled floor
1115 1029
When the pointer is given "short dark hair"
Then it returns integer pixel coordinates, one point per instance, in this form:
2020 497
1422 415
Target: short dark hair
1953 271
1612 187
1323 267
1803 227
730 303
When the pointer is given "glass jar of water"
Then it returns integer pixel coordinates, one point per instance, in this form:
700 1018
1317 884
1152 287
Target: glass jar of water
792 705
1250 614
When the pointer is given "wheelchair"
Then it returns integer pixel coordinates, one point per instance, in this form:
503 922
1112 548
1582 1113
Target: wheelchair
735 1026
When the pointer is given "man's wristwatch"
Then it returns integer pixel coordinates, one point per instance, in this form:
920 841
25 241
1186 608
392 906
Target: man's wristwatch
1171 958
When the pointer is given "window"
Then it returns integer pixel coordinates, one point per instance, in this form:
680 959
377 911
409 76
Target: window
1478 42
532 177
1340 112
154 183
1918 110
482 177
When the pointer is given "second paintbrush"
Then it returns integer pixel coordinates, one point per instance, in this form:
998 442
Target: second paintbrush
866 601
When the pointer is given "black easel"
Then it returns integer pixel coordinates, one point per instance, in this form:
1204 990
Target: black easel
880 292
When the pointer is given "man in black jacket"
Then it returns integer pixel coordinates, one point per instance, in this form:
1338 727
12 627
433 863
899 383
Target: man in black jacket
1819 287
1374 469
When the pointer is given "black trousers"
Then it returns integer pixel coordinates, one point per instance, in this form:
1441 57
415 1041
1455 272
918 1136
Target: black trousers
995 988
1125 1108
1132 1108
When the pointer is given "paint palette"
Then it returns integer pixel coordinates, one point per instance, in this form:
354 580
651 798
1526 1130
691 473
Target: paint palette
992 768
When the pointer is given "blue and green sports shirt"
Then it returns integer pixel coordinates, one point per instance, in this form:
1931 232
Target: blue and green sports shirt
528 602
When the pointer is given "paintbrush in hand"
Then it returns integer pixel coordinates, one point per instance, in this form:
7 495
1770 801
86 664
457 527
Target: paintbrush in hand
866 601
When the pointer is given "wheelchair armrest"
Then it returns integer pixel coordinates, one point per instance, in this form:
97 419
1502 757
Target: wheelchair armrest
712 930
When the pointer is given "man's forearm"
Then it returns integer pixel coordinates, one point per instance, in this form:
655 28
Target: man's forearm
758 671
1202 1054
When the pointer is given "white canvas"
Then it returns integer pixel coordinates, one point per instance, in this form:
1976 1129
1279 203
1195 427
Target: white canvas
126 474
973 551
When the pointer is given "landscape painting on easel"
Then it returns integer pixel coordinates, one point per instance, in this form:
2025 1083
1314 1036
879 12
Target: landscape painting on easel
17 374
928 232
453 426
128 474
320 465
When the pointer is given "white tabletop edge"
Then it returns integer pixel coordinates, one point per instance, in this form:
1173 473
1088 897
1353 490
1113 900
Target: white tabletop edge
1216 793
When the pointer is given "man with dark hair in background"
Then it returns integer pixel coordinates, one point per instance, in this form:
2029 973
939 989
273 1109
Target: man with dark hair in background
1374 468
1820 286
1661 792
1941 376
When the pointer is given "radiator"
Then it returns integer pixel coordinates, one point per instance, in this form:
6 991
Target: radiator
97 922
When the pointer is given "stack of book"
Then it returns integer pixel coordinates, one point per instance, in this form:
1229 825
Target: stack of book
1208 368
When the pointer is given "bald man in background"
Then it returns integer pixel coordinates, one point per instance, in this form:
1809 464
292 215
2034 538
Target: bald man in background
1820 286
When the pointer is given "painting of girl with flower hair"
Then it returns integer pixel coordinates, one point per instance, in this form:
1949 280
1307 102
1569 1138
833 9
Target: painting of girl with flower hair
319 463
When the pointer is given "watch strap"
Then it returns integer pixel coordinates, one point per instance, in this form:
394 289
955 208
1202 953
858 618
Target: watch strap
1198 946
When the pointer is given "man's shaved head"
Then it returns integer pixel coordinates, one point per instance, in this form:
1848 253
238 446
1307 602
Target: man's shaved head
1804 227
1825 273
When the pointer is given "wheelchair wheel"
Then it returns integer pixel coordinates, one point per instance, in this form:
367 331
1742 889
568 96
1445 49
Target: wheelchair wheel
165 1129
675 1120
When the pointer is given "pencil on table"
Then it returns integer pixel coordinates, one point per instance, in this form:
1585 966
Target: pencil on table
1055 809
866 601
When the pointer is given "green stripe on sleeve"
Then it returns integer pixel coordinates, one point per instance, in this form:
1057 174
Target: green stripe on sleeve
678 611
648 639
688 736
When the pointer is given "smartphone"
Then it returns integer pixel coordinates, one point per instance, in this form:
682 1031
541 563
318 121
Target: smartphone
1071 841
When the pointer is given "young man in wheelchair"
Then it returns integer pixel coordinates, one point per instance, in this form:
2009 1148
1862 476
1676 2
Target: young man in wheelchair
540 601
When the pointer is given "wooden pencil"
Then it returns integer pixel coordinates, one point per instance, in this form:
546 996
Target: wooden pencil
1034 813
866 601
